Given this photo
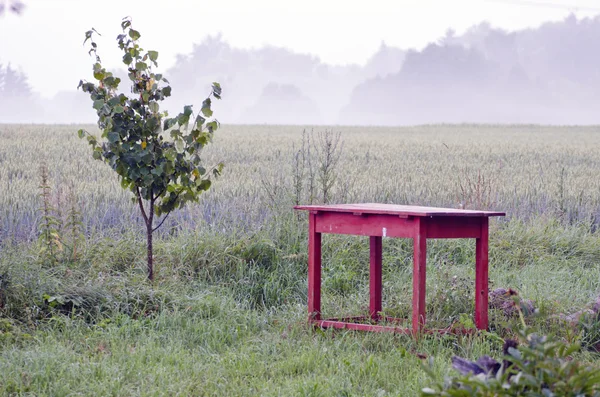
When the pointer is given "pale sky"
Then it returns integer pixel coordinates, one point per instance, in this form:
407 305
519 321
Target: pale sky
45 42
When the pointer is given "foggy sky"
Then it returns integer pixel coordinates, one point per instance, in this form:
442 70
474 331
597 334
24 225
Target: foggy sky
46 41
319 62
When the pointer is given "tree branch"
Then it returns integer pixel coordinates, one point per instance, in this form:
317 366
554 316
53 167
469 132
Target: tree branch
161 222
165 218
139 196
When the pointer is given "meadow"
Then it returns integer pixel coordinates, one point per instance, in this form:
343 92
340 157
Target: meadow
227 312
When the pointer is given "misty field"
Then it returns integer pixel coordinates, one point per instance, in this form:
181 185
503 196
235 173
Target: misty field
227 312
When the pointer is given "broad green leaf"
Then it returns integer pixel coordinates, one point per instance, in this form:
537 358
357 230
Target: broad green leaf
126 23
113 136
183 118
134 34
154 107
141 65
179 145
114 101
118 109
212 126
204 184
98 104
206 111
81 133
168 123
199 121
127 59
153 55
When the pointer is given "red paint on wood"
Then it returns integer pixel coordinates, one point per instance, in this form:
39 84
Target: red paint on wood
375 280
481 277
314 269
419 223
419 276
332 323
365 225
393 209
450 227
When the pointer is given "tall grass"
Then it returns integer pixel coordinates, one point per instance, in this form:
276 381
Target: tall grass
526 171
227 313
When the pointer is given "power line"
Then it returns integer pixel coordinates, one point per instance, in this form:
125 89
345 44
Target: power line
545 4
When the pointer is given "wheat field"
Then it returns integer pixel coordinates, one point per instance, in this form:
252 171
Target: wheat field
227 313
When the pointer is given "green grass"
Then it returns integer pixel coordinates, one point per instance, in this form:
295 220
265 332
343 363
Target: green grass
227 313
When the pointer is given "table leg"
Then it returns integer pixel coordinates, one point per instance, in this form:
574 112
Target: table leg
314 269
375 276
481 277
419 275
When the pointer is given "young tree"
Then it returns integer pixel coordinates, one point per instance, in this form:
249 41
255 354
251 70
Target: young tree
163 174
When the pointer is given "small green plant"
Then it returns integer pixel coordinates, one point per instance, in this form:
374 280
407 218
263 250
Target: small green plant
541 366
328 148
49 225
163 172
476 191
74 224
589 331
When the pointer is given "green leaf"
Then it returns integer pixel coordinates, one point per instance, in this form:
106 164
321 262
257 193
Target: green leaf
179 145
204 185
81 133
206 111
141 66
184 118
199 121
127 59
118 109
154 106
134 34
212 126
166 91
126 23
113 136
153 55
98 104
216 90
169 123
96 155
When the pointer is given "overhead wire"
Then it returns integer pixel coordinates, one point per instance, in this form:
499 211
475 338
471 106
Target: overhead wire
546 4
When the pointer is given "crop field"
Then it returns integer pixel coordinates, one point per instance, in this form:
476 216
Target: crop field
226 314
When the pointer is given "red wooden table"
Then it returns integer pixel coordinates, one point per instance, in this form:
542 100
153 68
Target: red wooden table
387 220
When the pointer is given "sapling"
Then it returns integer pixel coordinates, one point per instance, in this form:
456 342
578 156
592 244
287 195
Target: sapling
156 157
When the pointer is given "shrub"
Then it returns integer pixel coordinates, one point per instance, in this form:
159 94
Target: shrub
541 366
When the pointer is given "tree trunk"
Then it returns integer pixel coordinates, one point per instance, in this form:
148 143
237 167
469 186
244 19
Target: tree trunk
149 220
150 258
149 231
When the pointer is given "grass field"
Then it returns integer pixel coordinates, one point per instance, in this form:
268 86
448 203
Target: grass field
227 313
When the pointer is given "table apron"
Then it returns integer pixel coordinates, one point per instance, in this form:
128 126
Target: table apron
394 226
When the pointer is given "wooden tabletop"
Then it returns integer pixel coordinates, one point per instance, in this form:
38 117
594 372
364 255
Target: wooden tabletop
393 209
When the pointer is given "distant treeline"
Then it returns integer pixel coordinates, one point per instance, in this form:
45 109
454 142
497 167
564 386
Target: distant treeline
545 75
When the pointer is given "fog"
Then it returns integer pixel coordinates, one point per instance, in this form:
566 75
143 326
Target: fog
547 75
